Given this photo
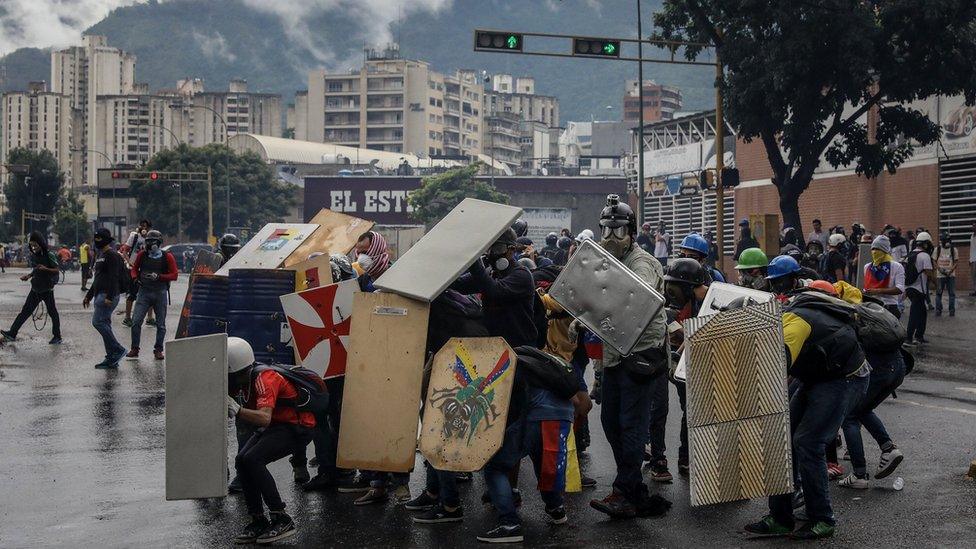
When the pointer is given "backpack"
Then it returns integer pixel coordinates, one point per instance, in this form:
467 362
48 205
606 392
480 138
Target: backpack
911 268
125 276
547 371
878 329
312 395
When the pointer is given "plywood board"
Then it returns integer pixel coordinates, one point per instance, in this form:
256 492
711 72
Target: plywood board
467 403
312 273
738 410
337 233
863 258
384 374
269 247
320 320
606 296
206 262
450 247
196 417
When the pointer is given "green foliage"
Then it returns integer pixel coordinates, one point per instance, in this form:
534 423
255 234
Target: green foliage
70 220
440 193
801 76
256 197
36 192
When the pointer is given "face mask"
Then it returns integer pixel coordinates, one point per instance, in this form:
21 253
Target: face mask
746 279
618 248
674 295
878 257
781 285
499 262
99 242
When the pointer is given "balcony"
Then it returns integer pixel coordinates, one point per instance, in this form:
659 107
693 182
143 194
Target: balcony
342 107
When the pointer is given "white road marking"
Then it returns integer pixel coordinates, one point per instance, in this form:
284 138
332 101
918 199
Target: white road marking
945 408
967 389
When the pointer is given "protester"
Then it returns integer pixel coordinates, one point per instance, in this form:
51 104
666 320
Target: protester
551 250
833 265
746 240
521 228
627 394
645 239
827 362
372 254
280 427
154 269
919 276
946 258
227 247
817 235
752 269
695 247
110 273
43 277
3 258
790 236
85 259
134 244
793 251
884 278
64 257
662 244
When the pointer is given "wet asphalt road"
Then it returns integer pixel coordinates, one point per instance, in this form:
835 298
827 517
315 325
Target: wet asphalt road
82 460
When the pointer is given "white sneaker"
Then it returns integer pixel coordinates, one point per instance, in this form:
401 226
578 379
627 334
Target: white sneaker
889 462
851 481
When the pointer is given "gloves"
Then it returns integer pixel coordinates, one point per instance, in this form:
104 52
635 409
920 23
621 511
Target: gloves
150 276
232 407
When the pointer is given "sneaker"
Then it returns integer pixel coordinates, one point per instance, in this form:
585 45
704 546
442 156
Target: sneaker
587 482
373 495
683 468
9 336
150 322
615 505
282 527
127 322
834 471
114 359
768 527
133 353
423 502
853 481
889 462
503 534
158 355
401 494
557 515
439 514
106 365
357 485
660 472
301 473
320 482
814 530
235 486
252 531
55 341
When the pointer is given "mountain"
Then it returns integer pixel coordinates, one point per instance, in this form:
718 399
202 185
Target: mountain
274 45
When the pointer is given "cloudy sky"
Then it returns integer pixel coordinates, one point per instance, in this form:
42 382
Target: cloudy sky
46 23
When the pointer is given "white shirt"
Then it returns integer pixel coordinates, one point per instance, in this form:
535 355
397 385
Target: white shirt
923 262
895 280
661 246
819 237
136 242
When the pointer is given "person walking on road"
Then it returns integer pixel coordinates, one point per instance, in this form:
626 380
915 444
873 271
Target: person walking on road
946 258
104 292
42 278
154 269
918 278
85 259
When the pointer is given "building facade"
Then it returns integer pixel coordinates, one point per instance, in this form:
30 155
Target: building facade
37 119
660 102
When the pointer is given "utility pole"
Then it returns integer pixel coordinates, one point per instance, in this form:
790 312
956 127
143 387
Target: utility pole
211 238
719 165
640 127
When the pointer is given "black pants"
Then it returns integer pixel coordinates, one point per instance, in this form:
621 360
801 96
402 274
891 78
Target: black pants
326 437
273 443
918 314
33 299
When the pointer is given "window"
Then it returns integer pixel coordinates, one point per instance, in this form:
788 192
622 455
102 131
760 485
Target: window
433 102
957 196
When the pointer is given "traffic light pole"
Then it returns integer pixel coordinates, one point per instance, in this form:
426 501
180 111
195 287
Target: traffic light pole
640 128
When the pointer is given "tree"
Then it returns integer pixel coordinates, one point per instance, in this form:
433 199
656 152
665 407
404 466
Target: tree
256 196
802 76
439 194
38 190
70 220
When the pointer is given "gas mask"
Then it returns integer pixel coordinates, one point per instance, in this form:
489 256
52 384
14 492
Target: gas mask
100 242
781 285
153 245
498 262
747 279
616 240
676 295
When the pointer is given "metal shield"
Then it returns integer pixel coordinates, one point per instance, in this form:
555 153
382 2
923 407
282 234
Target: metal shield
269 247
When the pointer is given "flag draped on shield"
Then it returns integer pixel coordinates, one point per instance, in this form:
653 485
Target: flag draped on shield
319 320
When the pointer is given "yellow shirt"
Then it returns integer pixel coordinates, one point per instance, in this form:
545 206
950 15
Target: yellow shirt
83 254
795 334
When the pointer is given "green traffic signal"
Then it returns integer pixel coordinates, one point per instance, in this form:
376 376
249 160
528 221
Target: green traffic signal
512 42
490 40
609 48
596 47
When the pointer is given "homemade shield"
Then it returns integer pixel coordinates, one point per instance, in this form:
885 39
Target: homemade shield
269 247
320 319
196 417
426 269
384 373
718 297
607 297
312 273
467 403
863 258
738 410
337 232
206 262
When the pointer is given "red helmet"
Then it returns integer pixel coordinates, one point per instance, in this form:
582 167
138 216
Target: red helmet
824 286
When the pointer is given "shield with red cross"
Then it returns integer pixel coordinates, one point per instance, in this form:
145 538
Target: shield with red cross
319 320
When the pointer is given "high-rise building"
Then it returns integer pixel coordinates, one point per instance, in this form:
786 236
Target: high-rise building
660 102
514 111
37 119
237 111
83 73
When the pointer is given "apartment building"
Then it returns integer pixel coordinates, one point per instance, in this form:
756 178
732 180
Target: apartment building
37 119
660 102
504 139
511 104
217 115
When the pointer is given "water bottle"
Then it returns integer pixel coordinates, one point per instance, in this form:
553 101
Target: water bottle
898 484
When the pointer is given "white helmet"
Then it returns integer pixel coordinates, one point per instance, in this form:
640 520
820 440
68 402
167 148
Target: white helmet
836 239
923 237
585 234
239 354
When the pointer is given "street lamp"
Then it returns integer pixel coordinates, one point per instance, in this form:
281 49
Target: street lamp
220 117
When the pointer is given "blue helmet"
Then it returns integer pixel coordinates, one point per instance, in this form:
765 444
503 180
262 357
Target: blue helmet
695 243
780 266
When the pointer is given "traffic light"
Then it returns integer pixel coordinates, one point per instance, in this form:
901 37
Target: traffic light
497 41
596 47
116 175
153 176
730 177
705 179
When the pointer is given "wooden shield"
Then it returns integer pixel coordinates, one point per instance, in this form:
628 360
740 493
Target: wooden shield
337 232
319 320
312 273
467 403
384 373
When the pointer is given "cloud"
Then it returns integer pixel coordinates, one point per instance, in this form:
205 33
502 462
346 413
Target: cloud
214 47
46 23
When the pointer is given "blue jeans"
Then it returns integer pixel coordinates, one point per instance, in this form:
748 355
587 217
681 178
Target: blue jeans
945 283
625 413
146 299
102 321
522 438
887 373
816 413
443 484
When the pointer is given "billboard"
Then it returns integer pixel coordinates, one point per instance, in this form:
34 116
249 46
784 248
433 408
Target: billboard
543 221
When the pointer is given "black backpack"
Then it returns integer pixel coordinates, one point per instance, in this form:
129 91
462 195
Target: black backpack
545 371
911 268
312 395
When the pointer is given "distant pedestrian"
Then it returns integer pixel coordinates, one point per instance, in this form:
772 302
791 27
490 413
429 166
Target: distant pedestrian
85 259
746 240
899 246
818 235
945 259
918 278
104 292
43 277
644 239
834 262
134 244
154 269
662 244
3 258
972 261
